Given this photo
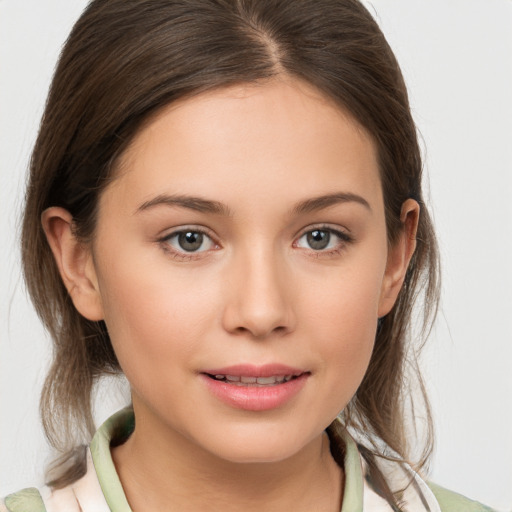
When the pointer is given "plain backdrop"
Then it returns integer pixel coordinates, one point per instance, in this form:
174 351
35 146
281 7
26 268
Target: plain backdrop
456 56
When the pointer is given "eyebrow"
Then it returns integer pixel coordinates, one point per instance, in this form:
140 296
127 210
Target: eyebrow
321 202
203 205
191 202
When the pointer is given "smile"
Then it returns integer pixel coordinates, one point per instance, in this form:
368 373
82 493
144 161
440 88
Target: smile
241 380
255 388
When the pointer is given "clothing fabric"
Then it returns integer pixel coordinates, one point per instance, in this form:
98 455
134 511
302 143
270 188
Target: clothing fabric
100 489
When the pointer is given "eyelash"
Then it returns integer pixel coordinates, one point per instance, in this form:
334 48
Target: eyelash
344 239
181 255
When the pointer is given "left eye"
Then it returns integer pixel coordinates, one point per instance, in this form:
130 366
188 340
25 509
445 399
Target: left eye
320 239
189 241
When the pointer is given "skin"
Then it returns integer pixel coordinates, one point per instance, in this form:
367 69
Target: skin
255 292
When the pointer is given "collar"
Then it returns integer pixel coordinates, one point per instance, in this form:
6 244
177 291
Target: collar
100 490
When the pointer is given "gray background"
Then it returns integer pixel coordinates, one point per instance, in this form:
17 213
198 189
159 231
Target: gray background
457 60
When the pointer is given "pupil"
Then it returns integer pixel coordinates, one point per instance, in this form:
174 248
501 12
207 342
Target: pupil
318 239
190 240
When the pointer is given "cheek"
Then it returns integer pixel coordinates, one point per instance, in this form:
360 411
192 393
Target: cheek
346 301
151 314
344 323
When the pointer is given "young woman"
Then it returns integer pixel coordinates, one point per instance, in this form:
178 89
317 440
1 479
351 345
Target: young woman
225 205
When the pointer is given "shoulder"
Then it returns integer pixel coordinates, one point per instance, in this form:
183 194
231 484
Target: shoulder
87 493
450 501
26 500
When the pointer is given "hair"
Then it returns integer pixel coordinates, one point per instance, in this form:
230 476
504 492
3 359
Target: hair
123 62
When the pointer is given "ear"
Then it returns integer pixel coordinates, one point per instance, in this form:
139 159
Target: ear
399 256
75 262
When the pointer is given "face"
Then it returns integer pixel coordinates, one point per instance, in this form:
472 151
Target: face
241 263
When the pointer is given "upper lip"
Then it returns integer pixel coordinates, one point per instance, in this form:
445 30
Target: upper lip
250 370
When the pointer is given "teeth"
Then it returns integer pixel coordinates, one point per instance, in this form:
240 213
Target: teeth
256 381
266 380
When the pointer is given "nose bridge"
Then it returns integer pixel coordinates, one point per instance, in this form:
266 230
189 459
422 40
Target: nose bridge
260 301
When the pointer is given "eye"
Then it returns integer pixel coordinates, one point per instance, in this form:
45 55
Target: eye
189 241
321 239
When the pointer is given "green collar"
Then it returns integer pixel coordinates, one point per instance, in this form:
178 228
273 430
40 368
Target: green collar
119 427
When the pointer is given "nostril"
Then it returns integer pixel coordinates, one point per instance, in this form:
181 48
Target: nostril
259 315
261 332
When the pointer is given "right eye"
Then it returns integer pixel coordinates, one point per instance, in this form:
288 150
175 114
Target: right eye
189 241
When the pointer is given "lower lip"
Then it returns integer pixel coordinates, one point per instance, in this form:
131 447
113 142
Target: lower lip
255 398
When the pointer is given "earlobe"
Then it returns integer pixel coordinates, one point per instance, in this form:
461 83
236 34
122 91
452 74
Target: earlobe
74 261
399 256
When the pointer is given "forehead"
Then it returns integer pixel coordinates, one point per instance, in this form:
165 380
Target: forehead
251 141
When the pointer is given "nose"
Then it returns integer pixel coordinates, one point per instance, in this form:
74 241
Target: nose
259 298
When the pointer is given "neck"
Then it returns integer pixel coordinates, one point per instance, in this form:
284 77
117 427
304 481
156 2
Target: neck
162 470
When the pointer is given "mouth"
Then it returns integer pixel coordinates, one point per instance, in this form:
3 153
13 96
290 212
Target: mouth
255 388
253 381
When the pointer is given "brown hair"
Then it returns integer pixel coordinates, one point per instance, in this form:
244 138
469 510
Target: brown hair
127 59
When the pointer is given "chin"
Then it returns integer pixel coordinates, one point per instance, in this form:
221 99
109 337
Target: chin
256 446
258 456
